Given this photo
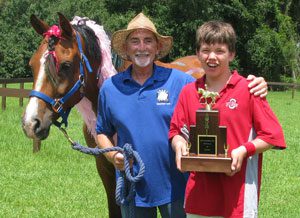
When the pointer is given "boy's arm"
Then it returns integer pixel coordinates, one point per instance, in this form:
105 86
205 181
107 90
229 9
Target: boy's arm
179 146
258 86
248 149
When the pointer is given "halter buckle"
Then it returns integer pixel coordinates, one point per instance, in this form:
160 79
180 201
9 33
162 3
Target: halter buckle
57 106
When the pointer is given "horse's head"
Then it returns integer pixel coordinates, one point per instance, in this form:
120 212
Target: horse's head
59 66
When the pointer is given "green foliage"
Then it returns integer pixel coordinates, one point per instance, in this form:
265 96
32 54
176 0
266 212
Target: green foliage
268 30
262 48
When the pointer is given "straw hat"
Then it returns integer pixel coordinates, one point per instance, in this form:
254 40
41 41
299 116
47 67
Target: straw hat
140 22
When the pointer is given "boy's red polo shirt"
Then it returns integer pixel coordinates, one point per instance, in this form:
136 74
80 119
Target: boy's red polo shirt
246 117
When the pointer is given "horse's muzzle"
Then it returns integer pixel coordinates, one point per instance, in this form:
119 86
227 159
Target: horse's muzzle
34 129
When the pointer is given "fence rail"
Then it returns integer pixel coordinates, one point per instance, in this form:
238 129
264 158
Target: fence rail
17 93
11 92
294 86
16 80
23 93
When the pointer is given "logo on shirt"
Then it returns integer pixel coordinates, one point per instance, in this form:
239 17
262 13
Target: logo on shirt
232 104
162 97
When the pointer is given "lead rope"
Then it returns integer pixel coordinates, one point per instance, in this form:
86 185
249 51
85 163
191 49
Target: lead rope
125 187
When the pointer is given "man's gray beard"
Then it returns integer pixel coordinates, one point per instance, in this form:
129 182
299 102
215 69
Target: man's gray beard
143 63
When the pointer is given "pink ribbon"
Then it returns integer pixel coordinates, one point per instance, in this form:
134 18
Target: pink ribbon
53 31
55 59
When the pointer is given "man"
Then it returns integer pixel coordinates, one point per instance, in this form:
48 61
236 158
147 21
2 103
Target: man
137 104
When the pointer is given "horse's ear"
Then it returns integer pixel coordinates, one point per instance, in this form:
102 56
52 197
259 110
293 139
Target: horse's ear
65 25
38 25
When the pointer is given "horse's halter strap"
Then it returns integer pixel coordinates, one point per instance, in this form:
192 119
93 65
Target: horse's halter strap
57 104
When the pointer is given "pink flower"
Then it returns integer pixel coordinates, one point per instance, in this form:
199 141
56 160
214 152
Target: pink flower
53 31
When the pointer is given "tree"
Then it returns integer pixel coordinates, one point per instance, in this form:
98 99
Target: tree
267 30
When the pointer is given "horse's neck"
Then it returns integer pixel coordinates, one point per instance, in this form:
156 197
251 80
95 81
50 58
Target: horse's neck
88 105
88 114
91 87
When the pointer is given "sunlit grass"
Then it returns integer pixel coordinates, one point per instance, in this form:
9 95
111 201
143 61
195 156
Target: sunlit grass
61 182
280 193
56 182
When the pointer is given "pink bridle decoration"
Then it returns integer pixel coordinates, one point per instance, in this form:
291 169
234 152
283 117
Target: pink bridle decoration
106 70
53 31
56 32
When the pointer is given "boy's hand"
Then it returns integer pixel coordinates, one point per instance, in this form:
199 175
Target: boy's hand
258 86
180 150
237 156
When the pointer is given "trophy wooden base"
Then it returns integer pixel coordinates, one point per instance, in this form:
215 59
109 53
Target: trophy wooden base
206 164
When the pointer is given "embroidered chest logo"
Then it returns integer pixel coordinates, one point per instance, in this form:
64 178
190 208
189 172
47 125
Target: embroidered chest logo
232 104
162 96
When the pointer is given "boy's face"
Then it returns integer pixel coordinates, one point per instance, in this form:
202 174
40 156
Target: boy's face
215 58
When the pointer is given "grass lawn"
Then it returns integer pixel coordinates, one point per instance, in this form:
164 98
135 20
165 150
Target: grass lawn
61 182
280 190
56 182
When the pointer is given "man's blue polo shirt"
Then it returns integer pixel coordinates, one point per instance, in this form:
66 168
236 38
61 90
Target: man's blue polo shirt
141 115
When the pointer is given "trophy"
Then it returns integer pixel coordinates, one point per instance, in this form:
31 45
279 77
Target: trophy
206 141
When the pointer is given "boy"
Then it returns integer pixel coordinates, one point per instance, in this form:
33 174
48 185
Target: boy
252 128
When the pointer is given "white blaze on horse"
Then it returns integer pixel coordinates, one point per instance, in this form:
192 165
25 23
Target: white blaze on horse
68 67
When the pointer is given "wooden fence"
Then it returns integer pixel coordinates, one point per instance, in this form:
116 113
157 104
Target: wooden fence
24 93
17 93
293 86
11 92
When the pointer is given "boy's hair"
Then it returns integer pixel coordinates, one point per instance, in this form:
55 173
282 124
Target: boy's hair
212 32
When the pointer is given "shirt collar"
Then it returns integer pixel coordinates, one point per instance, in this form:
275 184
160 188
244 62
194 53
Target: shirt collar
159 74
200 83
235 78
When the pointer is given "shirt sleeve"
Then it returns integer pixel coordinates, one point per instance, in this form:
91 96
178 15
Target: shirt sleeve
178 118
266 123
104 124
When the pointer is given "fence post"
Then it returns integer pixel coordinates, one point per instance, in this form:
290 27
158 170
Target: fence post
3 98
293 91
36 145
21 99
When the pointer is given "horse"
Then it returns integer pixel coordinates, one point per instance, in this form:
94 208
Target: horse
66 67
69 66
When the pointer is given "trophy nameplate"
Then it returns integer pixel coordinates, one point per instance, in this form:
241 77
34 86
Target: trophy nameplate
207 143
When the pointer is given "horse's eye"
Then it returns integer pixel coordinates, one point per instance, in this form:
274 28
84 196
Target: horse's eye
65 67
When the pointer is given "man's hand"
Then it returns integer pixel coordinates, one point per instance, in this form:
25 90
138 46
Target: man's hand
258 86
237 156
117 159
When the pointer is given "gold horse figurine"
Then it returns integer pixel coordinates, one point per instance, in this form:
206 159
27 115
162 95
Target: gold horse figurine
205 94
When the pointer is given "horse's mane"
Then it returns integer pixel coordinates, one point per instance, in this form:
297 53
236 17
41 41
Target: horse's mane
90 39
106 70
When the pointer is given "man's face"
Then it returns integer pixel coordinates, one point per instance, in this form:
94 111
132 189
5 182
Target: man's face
215 58
141 47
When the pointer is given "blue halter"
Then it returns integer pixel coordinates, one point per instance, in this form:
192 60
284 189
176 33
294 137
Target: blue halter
57 104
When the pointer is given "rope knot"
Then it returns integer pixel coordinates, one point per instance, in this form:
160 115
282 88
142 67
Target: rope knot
128 151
